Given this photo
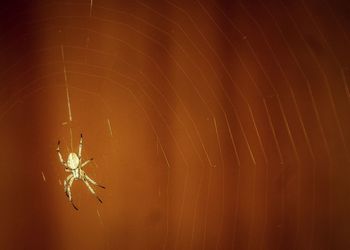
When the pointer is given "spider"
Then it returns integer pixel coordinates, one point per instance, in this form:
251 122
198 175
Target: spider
75 166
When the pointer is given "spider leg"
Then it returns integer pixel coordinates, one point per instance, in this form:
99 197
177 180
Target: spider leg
93 182
86 162
60 155
70 183
66 181
91 190
75 207
80 146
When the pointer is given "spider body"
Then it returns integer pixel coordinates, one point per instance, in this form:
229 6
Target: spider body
73 161
74 165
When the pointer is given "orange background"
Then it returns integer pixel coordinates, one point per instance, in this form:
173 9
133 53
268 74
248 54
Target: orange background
213 124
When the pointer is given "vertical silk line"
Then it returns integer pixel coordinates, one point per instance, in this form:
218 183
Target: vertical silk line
110 130
68 98
42 173
87 41
91 3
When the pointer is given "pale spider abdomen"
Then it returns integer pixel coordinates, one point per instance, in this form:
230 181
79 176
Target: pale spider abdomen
73 161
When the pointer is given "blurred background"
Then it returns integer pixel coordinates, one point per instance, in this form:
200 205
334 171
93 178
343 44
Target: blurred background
213 124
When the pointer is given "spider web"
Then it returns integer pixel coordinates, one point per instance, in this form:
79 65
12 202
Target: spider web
213 124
